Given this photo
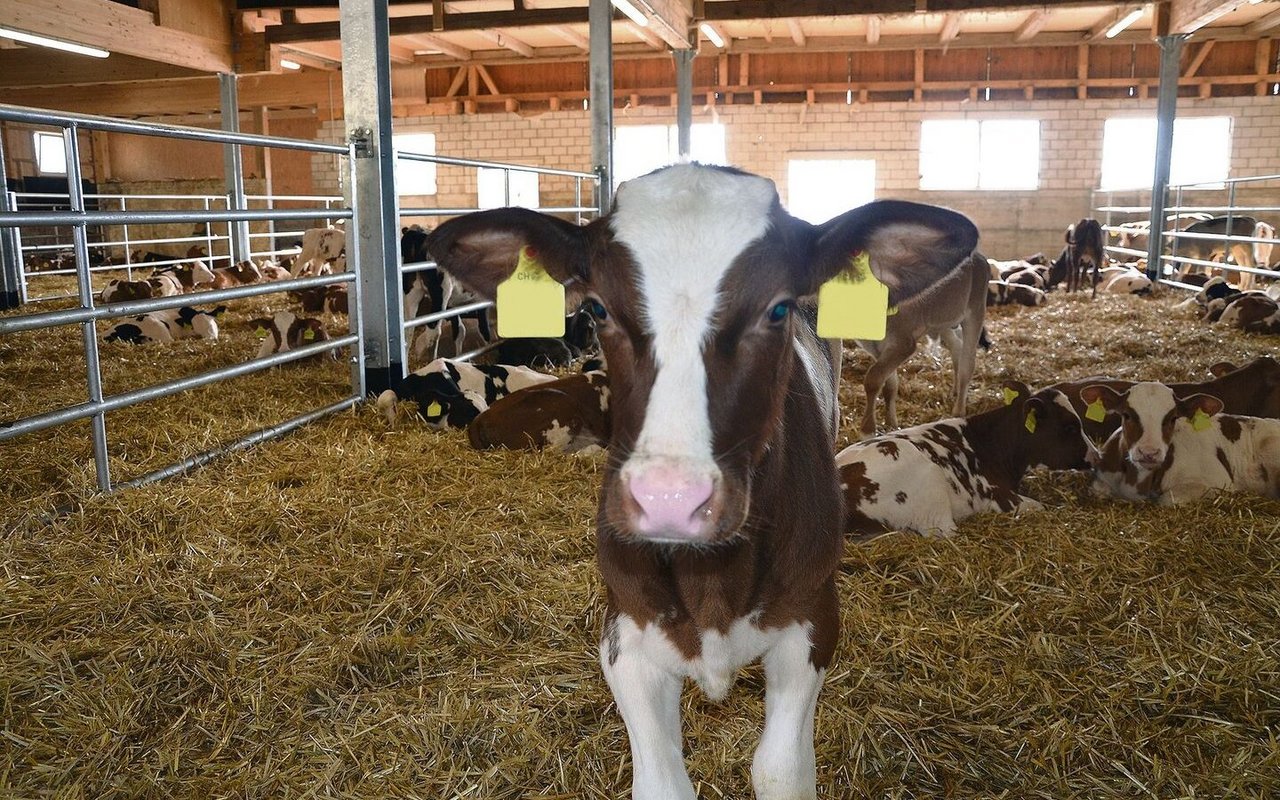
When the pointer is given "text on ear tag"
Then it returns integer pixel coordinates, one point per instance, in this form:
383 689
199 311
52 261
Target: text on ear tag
1031 421
853 304
1096 411
1200 420
530 302
1009 396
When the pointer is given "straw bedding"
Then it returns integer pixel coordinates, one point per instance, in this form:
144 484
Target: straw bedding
363 612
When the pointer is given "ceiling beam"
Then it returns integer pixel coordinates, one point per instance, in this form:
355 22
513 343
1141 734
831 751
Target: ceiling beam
873 30
121 29
399 26
1188 16
40 67
1099 30
1032 25
797 32
670 19
1200 56
505 39
647 35
572 37
782 9
1263 24
425 41
950 27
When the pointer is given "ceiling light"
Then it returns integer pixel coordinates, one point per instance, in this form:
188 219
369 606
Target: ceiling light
712 34
287 64
1124 22
57 44
631 11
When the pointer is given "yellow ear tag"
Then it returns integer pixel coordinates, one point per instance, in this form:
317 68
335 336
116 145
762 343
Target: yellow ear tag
308 335
1009 396
261 331
530 302
1096 411
853 304
434 408
1031 422
1200 420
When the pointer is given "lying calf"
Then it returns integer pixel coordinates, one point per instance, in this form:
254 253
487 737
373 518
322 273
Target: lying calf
186 322
948 470
1001 293
569 414
287 331
450 394
1173 450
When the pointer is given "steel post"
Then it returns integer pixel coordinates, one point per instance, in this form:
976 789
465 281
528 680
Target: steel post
600 23
1166 112
684 101
366 94
10 254
233 167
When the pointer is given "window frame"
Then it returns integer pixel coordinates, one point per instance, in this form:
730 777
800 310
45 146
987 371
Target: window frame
56 138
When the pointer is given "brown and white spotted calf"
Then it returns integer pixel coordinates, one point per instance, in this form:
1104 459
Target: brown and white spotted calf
287 331
1172 449
569 414
719 525
928 478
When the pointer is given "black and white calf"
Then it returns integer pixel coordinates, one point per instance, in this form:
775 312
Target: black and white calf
450 394
186 322
928 478
719 529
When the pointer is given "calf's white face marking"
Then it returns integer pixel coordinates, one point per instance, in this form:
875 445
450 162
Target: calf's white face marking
684 228
1148 423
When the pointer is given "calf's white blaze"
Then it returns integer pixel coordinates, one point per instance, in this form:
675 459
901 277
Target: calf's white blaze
685 227
1151 402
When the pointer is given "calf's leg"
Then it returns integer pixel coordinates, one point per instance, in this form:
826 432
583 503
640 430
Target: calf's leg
784 767
648 697
889 355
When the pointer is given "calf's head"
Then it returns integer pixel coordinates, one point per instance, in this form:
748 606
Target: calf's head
692 278
1148 413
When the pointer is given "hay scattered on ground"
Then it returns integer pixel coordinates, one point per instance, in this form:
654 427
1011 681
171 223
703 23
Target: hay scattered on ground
357 611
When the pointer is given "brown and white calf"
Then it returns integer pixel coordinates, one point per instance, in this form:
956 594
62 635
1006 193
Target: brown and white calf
287 331
952 311
569 414
242 274
1172 449
321 249
1252 313
928 478
719 525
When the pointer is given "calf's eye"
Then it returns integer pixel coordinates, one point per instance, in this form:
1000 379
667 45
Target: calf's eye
779 312
597 309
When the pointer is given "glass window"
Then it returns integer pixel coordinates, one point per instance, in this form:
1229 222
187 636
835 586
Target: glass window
415 177
819 189
980 154
492 185
1201 151
51 154
640 149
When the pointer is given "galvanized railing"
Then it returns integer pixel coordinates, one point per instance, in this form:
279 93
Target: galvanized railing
578 209
80 219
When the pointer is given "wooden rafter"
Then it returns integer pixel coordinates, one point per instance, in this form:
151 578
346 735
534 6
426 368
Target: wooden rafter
1100 28
950 27
1188 16
572 37
505 39
426 41
797 32
1264 24
1032 25
873 30
1198 60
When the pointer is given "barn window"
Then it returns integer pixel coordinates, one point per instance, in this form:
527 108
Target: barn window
639 149
51 156
1201 151
415 177
980 154
492 187
819 188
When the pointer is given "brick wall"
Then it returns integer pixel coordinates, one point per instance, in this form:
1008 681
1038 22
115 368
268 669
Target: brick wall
762 139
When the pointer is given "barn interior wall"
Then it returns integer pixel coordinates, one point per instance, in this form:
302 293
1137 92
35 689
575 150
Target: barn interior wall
763 138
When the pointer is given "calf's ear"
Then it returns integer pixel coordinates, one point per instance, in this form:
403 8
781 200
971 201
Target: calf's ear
1207 403
911 246
1012 392
481 249
1097 392
1222 368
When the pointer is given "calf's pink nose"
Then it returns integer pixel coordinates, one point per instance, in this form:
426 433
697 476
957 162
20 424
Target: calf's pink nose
670 501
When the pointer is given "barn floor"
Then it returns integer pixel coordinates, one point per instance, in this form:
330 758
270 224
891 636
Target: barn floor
357 611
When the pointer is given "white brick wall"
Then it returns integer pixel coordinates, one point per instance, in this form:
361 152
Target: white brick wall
762 138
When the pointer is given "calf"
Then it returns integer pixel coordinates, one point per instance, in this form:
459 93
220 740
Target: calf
242 274
928 478
1172 449
118 291
1252 390
1208 249
186 322
1084 251
429 291
287 331
320 247
1252 313
1124 280
1000 293
958 301
719 530
190 276
450 394
569 414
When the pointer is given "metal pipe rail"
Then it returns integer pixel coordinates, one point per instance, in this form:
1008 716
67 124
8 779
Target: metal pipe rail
455 212
472 162
1219 237
38 422
70 316
21 218
1169 259
455 311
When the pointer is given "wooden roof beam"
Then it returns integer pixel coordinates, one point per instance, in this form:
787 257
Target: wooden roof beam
873 30
425 41
572 37
797 32
1263 24
647 35
1032 25
1188 16
670 20
950 27
505 39
1200 56
1099 30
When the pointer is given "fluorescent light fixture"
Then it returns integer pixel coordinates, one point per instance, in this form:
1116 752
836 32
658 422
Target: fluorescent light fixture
712 34
631 11
57 44
287 64
1124 22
